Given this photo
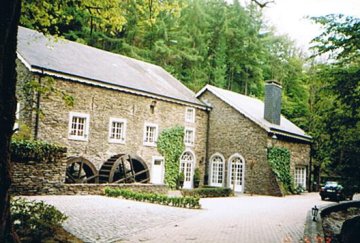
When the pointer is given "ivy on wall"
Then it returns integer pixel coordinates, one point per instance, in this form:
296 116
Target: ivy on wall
171 145
279 160
34 150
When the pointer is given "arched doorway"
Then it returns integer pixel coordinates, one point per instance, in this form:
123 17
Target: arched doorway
236 172
217 168
187 163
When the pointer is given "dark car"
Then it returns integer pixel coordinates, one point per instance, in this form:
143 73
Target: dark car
334 191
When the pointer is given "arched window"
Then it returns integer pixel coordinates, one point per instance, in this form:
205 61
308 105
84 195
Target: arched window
217 167
187 164
236 173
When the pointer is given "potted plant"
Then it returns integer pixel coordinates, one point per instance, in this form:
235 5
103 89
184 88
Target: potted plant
197 177
180 180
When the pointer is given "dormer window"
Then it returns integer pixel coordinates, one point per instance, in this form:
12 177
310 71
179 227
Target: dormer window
190 115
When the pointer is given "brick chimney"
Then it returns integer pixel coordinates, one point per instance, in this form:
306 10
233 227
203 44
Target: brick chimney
272 106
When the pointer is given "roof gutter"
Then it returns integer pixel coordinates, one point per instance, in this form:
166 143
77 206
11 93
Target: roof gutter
291 135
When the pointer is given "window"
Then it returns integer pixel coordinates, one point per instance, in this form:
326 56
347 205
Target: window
189 136
300 176
150 134
187 160
217 170
117 129
79 126
190 115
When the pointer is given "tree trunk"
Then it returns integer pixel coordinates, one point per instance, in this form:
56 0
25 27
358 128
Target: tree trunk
9 19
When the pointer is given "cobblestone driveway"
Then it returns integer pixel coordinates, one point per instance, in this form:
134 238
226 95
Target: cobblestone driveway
240 219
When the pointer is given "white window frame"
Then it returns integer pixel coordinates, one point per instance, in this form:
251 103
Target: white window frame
211 183
122 138
186 142
153 143
187 118
85 137
297 176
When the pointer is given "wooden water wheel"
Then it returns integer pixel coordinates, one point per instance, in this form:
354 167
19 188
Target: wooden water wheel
80 170
123 168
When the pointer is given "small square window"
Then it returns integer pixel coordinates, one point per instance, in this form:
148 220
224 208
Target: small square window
190 115
79 126
189 136
150 134
117 130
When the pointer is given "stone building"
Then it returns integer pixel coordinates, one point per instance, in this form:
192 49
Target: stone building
121 105
241 130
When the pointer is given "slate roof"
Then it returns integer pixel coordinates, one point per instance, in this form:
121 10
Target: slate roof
78 60
253 109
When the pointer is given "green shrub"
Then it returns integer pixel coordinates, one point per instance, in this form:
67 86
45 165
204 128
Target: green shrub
33 220
34 150
208 192
184 202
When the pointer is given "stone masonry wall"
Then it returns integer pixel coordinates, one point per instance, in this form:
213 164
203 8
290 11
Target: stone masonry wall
101 104
37 178
230 133
300 153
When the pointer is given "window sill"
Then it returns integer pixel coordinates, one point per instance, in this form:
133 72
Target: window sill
82 139
113 141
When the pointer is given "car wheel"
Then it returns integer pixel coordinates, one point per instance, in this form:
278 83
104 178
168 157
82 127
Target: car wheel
322 198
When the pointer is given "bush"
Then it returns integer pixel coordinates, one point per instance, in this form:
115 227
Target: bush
208 192
184 202
34 221
34 150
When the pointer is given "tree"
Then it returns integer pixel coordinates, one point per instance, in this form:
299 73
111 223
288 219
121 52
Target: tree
9 18
338 105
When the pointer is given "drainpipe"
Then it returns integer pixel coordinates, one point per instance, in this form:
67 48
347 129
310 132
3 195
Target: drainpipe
37 112
311 171
207 147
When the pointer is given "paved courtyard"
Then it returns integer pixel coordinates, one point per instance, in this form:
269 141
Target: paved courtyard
238 219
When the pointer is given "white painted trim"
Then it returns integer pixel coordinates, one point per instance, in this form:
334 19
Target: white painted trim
192 167
87 125
122 140
148 124
154 158
305 175
192 119
194 132
22 59
211 172
243 172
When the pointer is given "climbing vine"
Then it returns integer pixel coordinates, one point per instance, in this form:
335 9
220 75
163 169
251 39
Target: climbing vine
171 145
279 160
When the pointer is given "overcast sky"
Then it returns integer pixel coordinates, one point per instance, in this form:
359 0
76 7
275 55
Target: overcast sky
288 15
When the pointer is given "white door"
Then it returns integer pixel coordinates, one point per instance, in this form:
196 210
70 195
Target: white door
187 167
157 170
236 173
